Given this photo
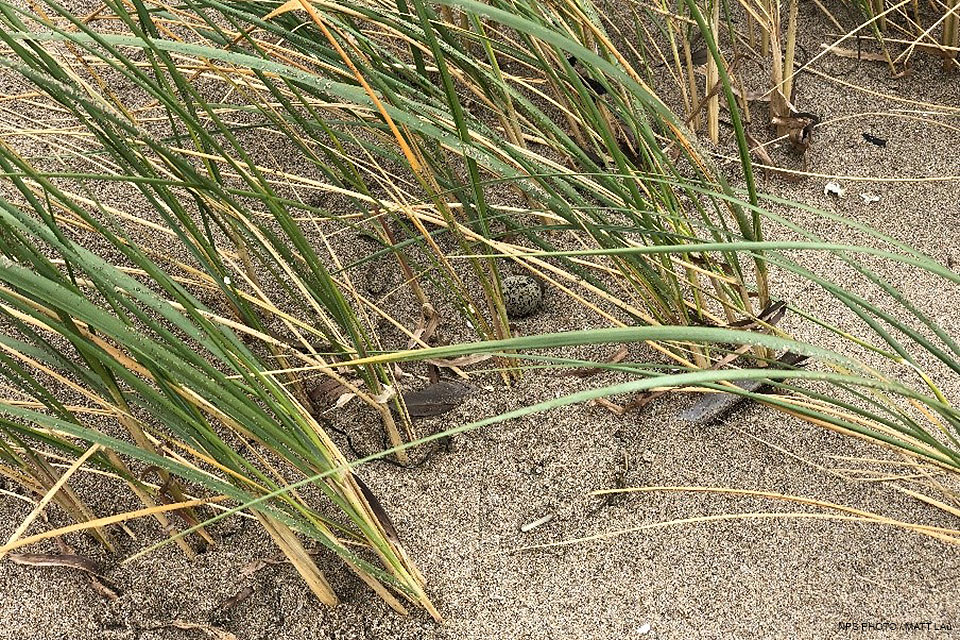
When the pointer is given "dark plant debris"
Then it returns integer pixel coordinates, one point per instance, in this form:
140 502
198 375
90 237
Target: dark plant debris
586 372
713 405
595 86
70 561
381 514
872 139
437 398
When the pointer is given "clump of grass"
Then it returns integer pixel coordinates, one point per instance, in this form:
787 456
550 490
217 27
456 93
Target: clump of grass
196 347
460 140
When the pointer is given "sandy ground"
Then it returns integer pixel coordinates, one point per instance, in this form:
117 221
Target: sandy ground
460 512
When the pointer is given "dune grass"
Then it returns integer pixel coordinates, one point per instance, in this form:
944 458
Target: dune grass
176 336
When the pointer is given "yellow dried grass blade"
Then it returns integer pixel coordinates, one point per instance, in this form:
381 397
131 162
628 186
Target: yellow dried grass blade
288 542
103 522
57 486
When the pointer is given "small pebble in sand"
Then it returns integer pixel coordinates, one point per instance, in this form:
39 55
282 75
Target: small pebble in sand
870 198
522 295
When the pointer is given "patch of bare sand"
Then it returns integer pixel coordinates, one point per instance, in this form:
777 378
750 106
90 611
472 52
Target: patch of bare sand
460 513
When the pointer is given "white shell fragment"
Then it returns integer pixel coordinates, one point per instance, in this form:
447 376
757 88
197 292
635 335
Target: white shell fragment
870 198
530 526
386 395
643 630
344 399
833 189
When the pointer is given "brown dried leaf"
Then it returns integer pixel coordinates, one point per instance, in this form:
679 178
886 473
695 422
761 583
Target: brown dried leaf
104 588
211 631
56 560
612 407
840 52
235 599
586 372
766 162
260 563
325 394
429 321
462 361
72 561
761 151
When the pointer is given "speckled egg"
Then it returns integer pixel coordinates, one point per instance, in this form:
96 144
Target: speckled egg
522 295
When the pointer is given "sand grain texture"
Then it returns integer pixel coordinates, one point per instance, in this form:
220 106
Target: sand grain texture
460 513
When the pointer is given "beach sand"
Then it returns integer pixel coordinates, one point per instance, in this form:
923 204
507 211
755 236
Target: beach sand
460 512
